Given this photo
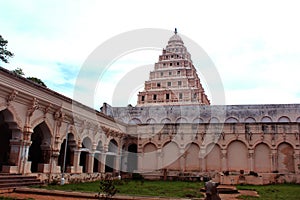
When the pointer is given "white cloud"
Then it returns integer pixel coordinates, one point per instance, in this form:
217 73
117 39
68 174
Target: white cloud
254 44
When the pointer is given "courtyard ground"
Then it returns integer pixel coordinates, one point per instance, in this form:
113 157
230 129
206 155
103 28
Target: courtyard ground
42 194
157 188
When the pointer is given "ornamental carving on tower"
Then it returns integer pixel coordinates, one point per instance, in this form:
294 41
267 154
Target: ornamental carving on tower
174 80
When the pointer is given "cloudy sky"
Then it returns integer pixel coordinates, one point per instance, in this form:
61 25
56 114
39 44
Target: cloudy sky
254 45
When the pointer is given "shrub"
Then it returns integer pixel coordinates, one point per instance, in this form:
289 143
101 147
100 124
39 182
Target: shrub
107 188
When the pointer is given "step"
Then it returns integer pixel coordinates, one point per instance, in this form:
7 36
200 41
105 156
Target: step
17 180
15 176
17 185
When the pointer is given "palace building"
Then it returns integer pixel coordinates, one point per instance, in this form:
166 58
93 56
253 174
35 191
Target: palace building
172 133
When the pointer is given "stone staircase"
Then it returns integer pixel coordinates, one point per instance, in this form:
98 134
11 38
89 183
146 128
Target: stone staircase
17 180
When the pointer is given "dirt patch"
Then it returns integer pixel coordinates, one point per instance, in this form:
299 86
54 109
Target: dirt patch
241 192
36 197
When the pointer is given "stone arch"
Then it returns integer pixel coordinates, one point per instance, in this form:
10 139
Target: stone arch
285 153
214 120
171 156
70 129
192 161
250 120
40 148
231 120
262 161
284 119
15 116
99 136
149 159
87 143
198 120
181 120
134 121
111 156
165 121
151 121
266 119
298 119
237 156
213 157
40 120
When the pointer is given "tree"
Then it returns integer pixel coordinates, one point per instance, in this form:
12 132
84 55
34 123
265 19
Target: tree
4 53
18 71
37 80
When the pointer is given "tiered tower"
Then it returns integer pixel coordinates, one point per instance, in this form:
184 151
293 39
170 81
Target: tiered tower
174 80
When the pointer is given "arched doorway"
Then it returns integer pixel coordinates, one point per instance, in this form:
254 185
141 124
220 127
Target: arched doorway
237 156
39 151
213 158
5 137
192 161
286 158
132 158
171 156
149 161
262 162
97 157
85 149
111 156
69 152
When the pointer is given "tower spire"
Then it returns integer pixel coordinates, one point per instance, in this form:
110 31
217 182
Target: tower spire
174 80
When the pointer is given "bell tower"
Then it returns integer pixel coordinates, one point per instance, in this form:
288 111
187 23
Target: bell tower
174 80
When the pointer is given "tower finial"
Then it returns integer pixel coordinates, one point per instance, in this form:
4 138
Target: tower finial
175 31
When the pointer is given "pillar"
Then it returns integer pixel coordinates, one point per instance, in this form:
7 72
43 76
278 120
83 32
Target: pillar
117 163
140 166
182 160
182 163
54 162
202 153
224 160
97 158
90 162
25 165
251 160
15 151
103 161
297 161
159 159
76 161
15 157
274 166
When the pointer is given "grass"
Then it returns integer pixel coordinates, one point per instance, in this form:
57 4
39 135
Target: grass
180 189
271 192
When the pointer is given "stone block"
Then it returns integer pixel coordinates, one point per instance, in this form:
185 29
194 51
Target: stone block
10 169
44 168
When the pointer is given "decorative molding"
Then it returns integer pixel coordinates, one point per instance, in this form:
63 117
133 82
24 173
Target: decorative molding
59 116
11 97
47 109
34 106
